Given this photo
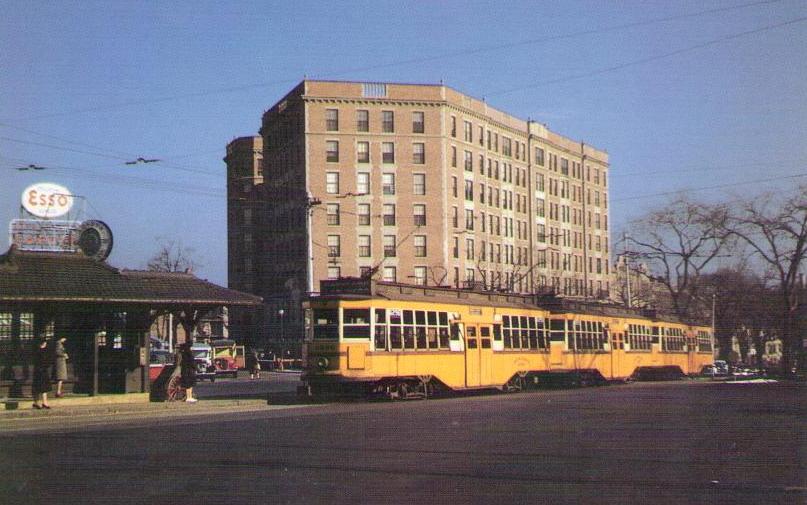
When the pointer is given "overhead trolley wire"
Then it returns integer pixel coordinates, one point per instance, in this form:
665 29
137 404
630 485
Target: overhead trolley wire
453 54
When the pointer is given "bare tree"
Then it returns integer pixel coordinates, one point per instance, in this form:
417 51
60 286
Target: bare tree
777 233
678 242
172 256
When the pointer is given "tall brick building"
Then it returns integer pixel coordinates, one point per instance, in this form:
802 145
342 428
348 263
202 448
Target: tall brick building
414 184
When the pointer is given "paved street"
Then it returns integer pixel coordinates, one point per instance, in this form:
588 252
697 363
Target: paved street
641 443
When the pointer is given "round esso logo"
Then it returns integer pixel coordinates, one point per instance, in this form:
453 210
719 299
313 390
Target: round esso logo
45 199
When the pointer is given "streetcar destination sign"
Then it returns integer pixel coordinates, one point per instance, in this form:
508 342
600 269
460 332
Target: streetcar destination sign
47 200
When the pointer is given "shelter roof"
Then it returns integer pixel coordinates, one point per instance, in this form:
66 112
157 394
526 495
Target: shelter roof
50 277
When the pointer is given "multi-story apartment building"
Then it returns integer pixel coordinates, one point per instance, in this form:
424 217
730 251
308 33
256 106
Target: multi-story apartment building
411 183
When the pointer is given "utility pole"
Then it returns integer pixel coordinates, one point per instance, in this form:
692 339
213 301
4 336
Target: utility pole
714 303
627 267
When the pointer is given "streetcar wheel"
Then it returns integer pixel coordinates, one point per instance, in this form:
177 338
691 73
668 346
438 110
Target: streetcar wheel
516 384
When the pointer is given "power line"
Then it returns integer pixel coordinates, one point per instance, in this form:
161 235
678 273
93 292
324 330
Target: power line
705 188
411 61
648 59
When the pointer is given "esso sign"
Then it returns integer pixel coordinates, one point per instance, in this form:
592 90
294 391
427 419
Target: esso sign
46 199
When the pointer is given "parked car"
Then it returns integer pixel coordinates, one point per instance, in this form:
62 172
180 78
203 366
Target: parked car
203 356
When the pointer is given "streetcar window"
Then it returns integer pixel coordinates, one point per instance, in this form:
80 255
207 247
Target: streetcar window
506 321
523 321
380 338
395 341
471 331
443 337
409 337
485 343
407 317
456 334
431 334
356 323
357 316
380 316
394 316
443 318
557 328
485 331
508 343
326 324
420 317
497 332
420 332
534 339
472 343
432 318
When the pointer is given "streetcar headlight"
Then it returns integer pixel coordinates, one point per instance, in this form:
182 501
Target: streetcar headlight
322 363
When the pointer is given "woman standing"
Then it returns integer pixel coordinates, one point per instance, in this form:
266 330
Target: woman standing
188 371
41 385
61 365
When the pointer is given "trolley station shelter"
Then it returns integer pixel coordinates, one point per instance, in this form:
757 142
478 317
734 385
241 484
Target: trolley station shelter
105 314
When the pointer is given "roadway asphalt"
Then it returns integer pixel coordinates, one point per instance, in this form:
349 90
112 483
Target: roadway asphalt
641 443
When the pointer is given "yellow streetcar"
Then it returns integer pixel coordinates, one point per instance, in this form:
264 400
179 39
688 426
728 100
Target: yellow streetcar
396 340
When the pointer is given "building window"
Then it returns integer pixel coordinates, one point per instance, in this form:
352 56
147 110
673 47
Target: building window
364 246
469 190
387 152
363 152
420 246
334 249
419 184
362 121
539 182
417 122
387 121
539 207
389 214
332 151
331 120
454 156
364 214
454 126
539 156
390 274
333 214
541 235
455 251
365 272
468 132
469 161
388 184
420 276
469 248
334 272
455 217
389 246
419 153
363 183
469 219
332 183
564 166
420 215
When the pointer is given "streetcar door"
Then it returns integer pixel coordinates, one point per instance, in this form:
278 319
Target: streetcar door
473 358
485 355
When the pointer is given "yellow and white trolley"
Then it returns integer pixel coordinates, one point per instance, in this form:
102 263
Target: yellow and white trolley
397 340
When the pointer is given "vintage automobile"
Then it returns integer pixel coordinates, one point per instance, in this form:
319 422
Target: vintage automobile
159 359
228 357
203 356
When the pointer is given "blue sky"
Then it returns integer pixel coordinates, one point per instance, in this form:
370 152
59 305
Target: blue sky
680 97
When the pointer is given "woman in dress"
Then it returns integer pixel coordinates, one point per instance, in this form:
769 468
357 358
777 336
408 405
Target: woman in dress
41 385
188 371
61 365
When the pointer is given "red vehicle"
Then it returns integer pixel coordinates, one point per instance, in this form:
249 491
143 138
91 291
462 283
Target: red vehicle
228 357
